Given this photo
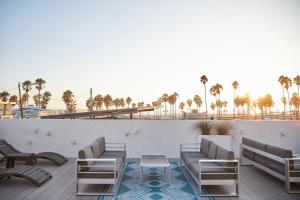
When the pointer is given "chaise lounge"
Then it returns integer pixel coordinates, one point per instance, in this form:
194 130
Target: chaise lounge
210 164
35 175
101 163
274 160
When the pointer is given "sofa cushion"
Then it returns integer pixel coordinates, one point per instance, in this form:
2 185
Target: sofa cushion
248 154
223 154
212 150
254 144
204 146
101 142
86 153
96 149
190 154
195 169
276 166
261 160
283 153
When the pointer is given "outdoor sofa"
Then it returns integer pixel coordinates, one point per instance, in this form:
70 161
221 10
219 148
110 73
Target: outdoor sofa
274 160
101 163
210 164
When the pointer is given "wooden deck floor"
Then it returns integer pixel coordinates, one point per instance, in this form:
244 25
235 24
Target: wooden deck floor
254 184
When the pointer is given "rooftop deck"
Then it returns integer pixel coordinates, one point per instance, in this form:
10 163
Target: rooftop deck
254 184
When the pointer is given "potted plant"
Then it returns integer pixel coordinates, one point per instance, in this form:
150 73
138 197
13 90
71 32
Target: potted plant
218 133
204 127
223 128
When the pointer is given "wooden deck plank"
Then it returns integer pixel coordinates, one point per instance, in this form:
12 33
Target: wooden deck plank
254 184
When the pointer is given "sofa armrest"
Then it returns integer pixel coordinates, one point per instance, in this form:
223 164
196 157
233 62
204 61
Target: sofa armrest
190 147
97 163
110 146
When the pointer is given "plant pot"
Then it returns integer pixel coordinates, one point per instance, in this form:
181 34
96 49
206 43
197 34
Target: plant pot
221 140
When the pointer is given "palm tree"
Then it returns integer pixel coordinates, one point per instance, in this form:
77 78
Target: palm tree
287 85
69 101
133 105
98 102
164 98
281 80
39 85
26 85
189 102
45 99
295 101
248 102
175 97
204 80
107 101
128 101
159 102
36 98
235 85
297 82
181 106
4 96
90 103
198 102
13 98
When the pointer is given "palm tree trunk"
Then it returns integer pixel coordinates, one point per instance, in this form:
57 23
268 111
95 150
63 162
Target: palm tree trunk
233 104
205 100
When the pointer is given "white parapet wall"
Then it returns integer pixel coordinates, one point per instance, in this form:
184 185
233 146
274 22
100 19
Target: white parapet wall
142 136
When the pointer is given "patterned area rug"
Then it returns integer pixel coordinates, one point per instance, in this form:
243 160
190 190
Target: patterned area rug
155 185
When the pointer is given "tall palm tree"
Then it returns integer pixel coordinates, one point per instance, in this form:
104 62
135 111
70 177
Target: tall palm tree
164 98
98 99
128 101
281 80
45 99
235 85
198 102
159 102
13 98
175 97
287 85
133 105
297 82
26 85
204 80
39 85
4 96
122 102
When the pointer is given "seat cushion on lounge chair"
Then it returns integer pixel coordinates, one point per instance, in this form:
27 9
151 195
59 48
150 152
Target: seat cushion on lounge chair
96 149
52 156
115 153
276 166
101 142
248 154
191 154
261 160
283 153
212 150
254 144
86 153
194 167
204 146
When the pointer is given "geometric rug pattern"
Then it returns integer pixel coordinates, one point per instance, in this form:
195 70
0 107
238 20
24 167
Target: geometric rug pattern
155 185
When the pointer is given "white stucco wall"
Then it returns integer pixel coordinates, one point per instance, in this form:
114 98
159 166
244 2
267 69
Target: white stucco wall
145 136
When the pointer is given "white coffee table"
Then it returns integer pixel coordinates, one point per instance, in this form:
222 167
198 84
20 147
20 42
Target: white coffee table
159 161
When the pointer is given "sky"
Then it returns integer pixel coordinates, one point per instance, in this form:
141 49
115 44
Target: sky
143 49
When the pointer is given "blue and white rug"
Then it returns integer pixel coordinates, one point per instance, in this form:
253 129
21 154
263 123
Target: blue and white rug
155 185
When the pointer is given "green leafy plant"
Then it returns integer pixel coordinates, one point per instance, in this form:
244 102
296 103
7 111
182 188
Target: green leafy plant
223 128
204 127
